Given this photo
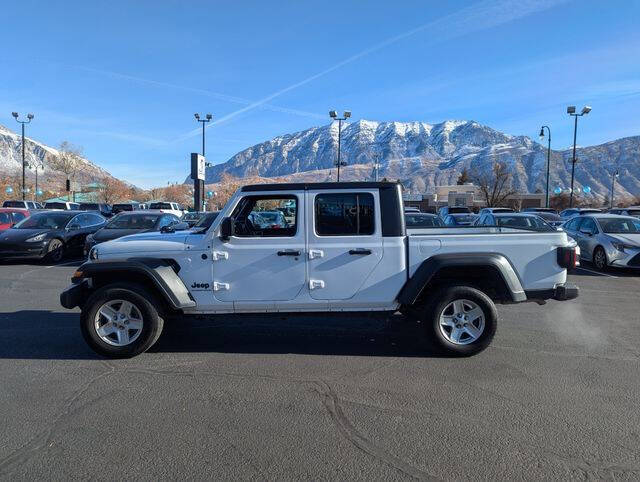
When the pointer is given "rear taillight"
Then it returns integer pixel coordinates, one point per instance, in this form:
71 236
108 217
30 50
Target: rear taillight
568 257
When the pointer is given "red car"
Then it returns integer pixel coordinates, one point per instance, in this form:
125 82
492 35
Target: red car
11 216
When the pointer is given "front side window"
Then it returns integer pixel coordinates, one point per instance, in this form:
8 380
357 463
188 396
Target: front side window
266 216
349 214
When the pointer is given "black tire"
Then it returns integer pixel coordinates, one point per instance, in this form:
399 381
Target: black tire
144 301
55 251
440 301
599 259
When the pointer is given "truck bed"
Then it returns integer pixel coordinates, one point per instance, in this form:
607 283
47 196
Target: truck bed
532 254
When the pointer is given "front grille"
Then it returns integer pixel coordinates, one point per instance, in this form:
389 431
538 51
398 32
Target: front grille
635 261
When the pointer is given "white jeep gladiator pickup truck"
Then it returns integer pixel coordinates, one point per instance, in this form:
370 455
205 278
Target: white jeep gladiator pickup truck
336 247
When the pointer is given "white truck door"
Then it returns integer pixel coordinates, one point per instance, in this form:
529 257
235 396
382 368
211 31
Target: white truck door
344 241
265 259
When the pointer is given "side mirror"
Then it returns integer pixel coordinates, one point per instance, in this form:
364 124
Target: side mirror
586 231
227 228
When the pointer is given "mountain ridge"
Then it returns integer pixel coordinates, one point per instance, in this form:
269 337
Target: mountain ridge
423 155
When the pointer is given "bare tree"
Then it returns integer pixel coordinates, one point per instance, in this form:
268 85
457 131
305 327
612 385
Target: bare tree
112 190
463 178
495 186
68 160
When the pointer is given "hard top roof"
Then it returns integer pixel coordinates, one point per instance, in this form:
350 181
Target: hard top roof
308 186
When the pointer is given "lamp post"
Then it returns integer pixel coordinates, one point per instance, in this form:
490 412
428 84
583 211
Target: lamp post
613 184
571 110
22 123
334 115
548 158
36 166
198 194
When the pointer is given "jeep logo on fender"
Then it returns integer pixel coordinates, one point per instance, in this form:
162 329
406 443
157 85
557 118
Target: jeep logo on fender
200 286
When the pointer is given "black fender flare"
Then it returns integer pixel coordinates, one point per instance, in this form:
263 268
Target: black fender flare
162 273
412 289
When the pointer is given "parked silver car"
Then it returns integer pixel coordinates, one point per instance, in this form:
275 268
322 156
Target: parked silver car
606 239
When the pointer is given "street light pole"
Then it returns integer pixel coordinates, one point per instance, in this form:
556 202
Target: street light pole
199 183
334 115
571 110
613 183
548 159
29 117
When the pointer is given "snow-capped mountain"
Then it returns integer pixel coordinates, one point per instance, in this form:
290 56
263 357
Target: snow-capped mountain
423 155
36 153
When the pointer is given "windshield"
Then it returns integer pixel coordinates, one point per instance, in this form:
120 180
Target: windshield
141 221
44 221
459 210
55 205
89 206
527 222
5 218
633 212
620 226
123 207
206 220
422 221
13 204
160 206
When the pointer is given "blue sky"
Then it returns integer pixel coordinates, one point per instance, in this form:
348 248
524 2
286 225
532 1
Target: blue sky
123 79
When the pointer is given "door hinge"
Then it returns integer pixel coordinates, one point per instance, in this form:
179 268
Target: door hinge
315 284
316 253
220 286
218 255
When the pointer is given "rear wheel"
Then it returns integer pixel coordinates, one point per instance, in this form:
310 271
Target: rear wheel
461 320
121 321
599 259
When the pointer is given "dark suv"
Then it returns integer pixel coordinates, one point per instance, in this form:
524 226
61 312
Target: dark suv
102 208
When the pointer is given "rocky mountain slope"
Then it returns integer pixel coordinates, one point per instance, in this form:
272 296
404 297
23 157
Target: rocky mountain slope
423 155
36 152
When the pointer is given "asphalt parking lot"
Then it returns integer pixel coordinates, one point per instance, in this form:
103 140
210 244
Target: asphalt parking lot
554 397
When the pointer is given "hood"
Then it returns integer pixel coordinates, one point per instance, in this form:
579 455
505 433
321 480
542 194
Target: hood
108 234
150 243
18 235
631 238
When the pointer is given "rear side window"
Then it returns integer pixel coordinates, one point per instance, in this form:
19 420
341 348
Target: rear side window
349 214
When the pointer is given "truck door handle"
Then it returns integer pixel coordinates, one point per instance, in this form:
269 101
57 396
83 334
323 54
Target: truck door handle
289 252
362 252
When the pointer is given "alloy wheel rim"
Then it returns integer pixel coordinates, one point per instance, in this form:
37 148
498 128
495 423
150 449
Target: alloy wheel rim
599 259
462 322
118 322
55 248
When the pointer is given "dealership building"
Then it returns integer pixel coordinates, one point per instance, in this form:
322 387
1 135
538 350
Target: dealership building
466 195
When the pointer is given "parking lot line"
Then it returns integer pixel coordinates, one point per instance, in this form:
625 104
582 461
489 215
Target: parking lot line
596 272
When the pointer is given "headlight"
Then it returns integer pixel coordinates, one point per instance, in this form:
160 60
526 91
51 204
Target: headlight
93 254
37 238
622 247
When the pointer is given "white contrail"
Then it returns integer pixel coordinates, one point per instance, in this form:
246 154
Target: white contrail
208 93
477 17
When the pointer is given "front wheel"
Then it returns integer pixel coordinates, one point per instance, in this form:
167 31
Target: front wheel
121 321
461 320
55 251
599 259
